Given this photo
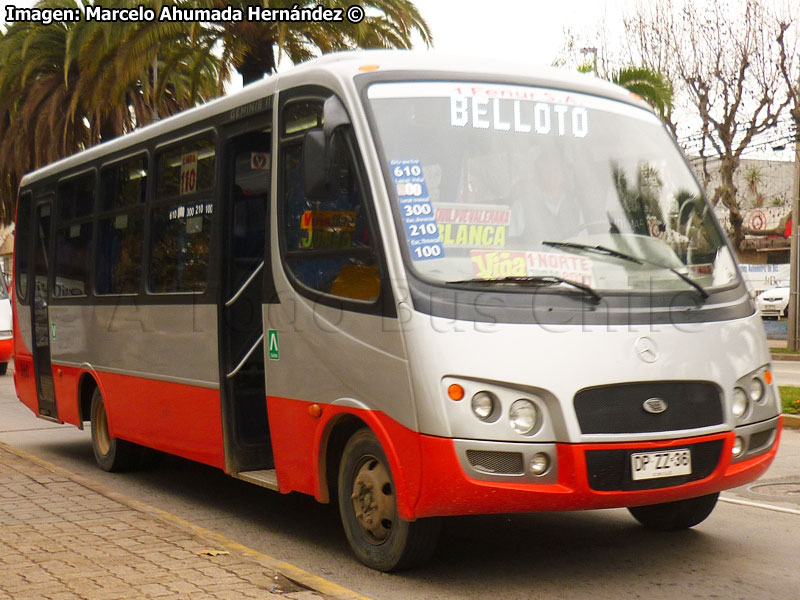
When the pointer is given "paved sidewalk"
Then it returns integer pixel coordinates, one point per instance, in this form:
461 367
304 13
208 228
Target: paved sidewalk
64 538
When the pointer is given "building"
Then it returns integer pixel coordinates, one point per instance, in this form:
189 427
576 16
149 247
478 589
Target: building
765 187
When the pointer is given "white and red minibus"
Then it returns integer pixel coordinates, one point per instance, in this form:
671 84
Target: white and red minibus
416 286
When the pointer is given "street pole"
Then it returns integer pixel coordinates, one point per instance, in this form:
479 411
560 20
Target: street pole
155 85
793 341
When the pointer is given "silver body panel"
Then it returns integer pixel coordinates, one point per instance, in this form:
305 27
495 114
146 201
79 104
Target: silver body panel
166 342
554 365
328 355
23 314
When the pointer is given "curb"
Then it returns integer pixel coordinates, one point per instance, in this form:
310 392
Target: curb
315 583
791 421
787 357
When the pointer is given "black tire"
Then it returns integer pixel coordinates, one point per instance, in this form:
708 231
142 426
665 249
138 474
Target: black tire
377 535
112 454
3 368
673 516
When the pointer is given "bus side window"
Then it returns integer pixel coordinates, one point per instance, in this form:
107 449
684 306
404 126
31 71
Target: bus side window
329 247
75 200
22 245
180 217
121 227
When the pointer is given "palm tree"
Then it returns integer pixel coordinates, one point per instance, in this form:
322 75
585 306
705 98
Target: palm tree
253 48
66 86
653 87
130 73
754 178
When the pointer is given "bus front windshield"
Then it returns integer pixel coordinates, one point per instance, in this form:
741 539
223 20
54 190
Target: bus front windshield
503 183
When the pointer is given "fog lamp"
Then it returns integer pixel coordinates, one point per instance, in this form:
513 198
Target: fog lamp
738 447
540 464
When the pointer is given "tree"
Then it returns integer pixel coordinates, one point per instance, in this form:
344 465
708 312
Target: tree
754 177
66 86
647 82
723 63
653 87
253 47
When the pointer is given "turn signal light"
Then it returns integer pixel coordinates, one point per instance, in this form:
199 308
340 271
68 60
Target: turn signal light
315 410
455 391
768 376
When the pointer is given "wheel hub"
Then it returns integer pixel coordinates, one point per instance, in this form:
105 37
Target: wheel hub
373 500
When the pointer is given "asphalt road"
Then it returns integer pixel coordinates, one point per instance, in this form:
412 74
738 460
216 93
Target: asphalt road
786 372
748 548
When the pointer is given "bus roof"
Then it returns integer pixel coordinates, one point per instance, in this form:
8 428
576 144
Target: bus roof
345 66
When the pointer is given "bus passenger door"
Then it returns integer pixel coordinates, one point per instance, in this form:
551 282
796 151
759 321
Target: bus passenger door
41 315
246 188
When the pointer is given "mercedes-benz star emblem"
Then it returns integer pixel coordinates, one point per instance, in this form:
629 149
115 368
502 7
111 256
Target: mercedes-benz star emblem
646 349
655 406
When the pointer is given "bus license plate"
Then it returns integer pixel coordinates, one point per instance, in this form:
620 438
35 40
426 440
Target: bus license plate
666 463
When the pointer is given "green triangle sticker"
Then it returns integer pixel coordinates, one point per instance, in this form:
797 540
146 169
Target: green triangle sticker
272 344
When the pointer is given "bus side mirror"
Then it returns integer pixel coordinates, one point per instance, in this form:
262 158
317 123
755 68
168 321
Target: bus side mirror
315 165
316 148
334 115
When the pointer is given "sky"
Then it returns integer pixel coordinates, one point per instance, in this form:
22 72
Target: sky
502 28
522 30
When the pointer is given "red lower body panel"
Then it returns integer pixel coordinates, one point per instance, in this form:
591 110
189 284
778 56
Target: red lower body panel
299 442
25 382
447 490
176 418
172 417
431 482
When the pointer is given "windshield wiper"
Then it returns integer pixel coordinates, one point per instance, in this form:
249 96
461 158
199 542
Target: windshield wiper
535 280
634 259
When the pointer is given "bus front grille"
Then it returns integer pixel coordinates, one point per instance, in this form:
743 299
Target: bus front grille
621 408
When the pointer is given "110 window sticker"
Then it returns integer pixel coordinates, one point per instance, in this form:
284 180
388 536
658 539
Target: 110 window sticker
419 220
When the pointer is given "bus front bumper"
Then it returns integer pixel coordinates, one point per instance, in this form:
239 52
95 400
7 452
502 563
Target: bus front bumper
582 476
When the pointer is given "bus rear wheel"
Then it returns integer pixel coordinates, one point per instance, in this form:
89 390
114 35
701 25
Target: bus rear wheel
673 516
368 506
111 454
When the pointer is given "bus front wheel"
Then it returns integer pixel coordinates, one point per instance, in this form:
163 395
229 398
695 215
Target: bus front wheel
368 507
111 454
672 516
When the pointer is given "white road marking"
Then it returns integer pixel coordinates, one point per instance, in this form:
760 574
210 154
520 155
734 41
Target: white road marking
772 507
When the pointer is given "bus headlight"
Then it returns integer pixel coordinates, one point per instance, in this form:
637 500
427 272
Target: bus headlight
757 389
524 416
484 405
740 403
